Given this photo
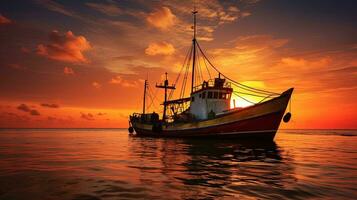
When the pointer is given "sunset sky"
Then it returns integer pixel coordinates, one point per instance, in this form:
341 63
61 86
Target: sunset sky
83 63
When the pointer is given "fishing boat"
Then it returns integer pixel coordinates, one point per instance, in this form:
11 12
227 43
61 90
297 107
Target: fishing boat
207 111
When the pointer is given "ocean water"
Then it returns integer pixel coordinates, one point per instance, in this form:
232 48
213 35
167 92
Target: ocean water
96 164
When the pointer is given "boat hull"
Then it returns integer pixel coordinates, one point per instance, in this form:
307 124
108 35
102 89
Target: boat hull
259 122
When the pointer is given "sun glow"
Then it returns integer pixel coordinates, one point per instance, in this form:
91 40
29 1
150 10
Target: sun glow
241 98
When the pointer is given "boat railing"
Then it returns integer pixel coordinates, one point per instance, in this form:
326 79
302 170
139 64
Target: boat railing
227 85
210 84
145 118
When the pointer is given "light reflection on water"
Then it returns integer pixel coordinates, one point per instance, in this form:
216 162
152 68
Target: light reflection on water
108 164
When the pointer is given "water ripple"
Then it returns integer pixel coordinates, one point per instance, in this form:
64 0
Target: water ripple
107 164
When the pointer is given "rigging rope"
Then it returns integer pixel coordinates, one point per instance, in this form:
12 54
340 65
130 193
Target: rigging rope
209 74
233 81
184 80
152 98
265 98
244 99
199 77
178 77
199 66
250 94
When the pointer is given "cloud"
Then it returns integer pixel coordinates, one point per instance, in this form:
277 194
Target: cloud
68 71
49 118
303 63
87 116
50 105
25 108
96 85
65 47
160 48
246 14
25 50
4 20
315 72
116 80
161 18
17 66
125 58
259 41
249 53
9 119
125 83
106 8
289 61
34 112
251 1
56 7
211 14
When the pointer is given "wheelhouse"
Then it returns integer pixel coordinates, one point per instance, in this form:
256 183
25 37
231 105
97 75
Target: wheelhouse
210 98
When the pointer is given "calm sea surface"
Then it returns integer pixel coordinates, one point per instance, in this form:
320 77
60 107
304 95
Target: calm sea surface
109 164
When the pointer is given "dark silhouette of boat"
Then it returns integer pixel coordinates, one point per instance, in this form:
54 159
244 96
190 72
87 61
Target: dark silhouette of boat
207 111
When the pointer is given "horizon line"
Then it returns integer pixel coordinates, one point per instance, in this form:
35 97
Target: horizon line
1 128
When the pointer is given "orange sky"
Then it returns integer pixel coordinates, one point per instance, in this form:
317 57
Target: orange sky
82 64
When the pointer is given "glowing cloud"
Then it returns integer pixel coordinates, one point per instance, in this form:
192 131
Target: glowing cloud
4 20
161 18
250 52
65 47
301 62
133 40
96 85
68 71
125 83
16 66
160 48
25 50
108 8
55 7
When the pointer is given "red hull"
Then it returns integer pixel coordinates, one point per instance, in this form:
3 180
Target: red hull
256 127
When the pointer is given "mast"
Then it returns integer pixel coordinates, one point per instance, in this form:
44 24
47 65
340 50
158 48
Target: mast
194 12
145 86
166 86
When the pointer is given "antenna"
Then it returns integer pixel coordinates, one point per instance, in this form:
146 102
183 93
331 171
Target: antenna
194 12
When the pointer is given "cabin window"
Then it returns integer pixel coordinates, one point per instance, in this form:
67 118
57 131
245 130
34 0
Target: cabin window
203 95
200 95
215 95
209 96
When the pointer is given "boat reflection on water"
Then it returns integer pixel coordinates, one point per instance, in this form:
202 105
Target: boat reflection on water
77 164
212 168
